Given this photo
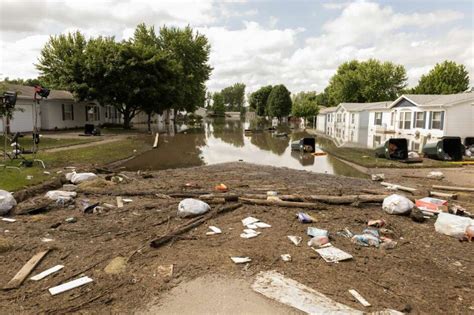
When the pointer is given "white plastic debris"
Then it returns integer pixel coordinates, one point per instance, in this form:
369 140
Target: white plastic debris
214 230
8 220
249 233
333 254
192 207
46 240
413 155
312 231
295 239
359 298
69 285
249 220
452 225
7 202
77 178
47 272
286 257
60 194
262 225
241 260
127 200
397 204
436 175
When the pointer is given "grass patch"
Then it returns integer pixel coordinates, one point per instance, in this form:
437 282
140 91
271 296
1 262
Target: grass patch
366 157
97 155
26 142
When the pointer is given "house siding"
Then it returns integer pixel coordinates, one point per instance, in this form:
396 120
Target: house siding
459 121
52 115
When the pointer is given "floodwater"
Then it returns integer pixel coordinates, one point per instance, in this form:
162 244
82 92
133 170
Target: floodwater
219 140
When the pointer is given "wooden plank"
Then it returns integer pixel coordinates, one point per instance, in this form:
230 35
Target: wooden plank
294 294
21 275
443 195
454 188
359 298
157 137
119 202
289 204
398 187
47 272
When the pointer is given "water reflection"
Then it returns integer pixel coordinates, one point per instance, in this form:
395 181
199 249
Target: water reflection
220 140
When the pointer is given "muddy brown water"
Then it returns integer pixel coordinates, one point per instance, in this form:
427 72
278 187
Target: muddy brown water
219 141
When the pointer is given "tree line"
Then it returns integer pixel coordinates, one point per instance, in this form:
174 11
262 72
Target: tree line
150 72
231 98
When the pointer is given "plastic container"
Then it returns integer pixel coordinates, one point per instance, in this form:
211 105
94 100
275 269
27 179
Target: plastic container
452 225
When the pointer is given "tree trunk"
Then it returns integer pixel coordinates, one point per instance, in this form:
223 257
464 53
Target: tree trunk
149 122
126 119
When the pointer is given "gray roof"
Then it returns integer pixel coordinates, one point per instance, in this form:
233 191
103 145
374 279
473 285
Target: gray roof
438 100
357 107
327 110
28 92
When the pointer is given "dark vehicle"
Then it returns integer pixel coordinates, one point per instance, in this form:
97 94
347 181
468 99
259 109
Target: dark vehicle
393 149
446 149
304 145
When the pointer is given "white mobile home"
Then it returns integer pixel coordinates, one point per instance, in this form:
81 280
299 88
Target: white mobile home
325 121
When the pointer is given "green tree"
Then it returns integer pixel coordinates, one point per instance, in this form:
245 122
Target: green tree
305 105
191 51
279 102
234 96
218 105
258 100
445 78
366 81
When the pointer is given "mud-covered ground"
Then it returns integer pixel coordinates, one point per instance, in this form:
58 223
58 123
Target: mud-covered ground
425 273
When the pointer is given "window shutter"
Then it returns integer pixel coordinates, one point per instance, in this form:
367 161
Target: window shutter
424 119
64 114
414 120
72 111
429 120
87 116
442 121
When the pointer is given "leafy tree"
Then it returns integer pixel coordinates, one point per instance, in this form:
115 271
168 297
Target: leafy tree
322 98
445 78
191 51
366 81
258 100
279 102
234 96
26 82
305 105
218 105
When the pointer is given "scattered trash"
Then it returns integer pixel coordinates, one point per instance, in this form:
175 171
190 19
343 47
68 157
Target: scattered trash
108 205
272 193
249 233
359 298
249 221
273 198
432 205
286 257
214 230
46 173
77 178
295 239
10 220
398 187
61 195
436 175
69 187
345 233
47 272
376 223
21 275
318 241
165 271
458 210
294 294
7 202
69 285
116 266
192 207
71 220
305 218
312 231
221 187
46 240
417 215
372 232
127 200
470 232
453 225
397 204
378 177
262 225
413 155
366 240
119 202
241 260
29 177
333 254
88 208
388 244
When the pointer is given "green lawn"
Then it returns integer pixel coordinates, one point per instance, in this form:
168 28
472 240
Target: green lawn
97 155
47 142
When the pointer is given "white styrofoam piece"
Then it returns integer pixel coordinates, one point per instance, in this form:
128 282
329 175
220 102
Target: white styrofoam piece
295 239
359 297
262 225
47 272
8 220
333 254
292 293
69 285
249 220
240 260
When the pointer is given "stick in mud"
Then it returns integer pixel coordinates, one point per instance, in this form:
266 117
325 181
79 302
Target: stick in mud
289 204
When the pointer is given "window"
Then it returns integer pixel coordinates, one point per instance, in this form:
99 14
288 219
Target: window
415 146
352 118
392 119
405 120
92 113
377 140
344 117
68 111
437 120
378 119
420 119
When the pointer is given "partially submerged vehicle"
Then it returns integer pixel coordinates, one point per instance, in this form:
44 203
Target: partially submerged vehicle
304 145
393 149
445 149
469 146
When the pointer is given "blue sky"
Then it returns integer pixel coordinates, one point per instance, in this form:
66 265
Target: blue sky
297 43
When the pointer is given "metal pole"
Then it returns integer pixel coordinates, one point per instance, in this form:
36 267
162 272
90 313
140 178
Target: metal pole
4 138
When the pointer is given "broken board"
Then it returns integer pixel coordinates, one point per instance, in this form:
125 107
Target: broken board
21 275
292 293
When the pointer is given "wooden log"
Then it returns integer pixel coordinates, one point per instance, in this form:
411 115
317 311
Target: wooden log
226 197
157 137
373 191
398 187
414 176
443 195
191 224
454 188
289 204
348 199
21 275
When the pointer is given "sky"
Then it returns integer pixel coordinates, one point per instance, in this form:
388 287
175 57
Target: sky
293 42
